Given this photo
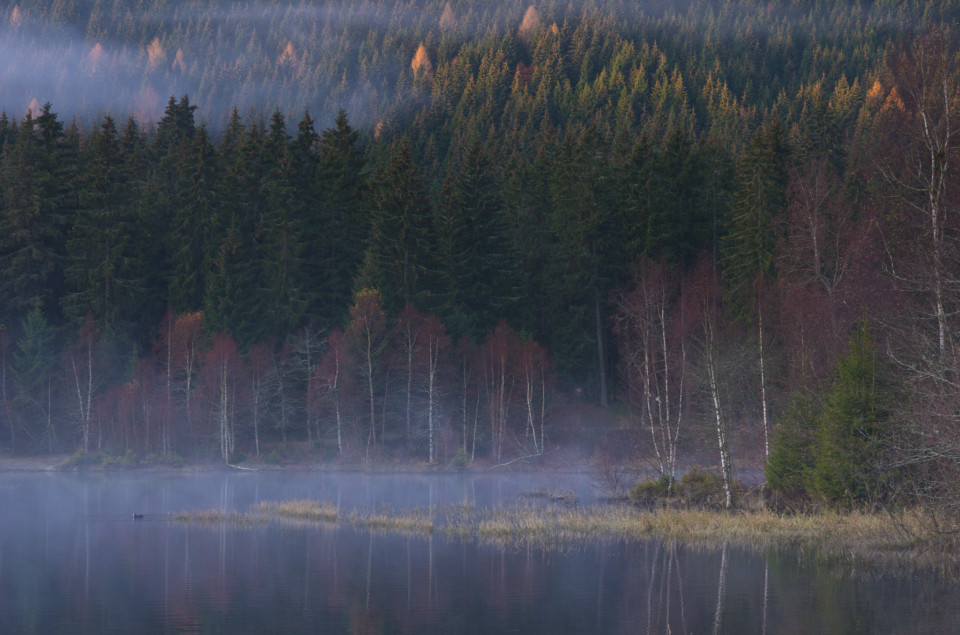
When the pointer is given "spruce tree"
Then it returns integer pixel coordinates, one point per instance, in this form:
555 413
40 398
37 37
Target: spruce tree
471 278
749 247
195 219
32 245
396 249
283 246
339 226
855 419
98 244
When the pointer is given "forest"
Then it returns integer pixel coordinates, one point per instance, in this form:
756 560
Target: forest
427 231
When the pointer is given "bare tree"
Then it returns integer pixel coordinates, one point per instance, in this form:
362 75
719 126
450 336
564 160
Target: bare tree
366 332
650 328
919 118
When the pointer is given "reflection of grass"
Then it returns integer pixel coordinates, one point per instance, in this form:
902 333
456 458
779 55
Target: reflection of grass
213 517
417 521
855 536
296 509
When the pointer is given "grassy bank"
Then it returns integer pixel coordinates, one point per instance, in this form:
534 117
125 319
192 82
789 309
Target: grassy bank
852 536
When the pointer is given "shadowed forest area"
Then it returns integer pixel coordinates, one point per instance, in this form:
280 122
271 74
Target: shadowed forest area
728 227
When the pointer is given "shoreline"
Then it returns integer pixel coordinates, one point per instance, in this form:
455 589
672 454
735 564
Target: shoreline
749 475
853 538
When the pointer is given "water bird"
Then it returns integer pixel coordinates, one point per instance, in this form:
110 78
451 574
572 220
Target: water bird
138 516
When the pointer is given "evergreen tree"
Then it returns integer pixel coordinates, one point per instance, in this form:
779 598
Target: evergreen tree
748 254
32 244
338 227
97 248
586 258
472 281
234 301
282 246
855 419
195 219
793 448
34 356
395 256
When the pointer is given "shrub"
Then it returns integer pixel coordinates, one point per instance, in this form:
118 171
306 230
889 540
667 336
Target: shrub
650 491
855 415
702 487
792 451
460 460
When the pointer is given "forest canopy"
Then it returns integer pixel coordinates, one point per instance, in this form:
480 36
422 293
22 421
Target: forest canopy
422 228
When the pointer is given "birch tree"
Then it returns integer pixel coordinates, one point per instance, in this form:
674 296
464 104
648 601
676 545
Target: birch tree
748 249
436 343
651 327
366 333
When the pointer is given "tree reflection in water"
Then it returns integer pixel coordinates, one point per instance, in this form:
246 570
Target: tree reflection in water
71 560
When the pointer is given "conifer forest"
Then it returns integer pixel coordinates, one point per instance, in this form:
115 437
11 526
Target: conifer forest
430 230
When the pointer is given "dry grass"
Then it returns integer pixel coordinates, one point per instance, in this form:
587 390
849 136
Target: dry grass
297 509
852 536
408 521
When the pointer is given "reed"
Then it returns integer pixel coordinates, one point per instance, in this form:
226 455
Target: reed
412 521
214 517
299 509
854 536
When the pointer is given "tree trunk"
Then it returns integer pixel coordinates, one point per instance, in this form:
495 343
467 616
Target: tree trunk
763 385
712 373
601 355
372 438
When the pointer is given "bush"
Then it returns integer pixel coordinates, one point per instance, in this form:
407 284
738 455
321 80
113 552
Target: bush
650 491
702 487
126 460
460 460
273 457
81 459
102 459
792 451
169 460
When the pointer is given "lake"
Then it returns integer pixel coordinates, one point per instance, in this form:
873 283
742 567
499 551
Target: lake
73 560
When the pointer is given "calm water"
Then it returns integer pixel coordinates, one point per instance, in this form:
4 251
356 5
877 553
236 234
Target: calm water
72 560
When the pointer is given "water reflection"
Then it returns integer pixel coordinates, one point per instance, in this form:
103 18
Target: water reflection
73 560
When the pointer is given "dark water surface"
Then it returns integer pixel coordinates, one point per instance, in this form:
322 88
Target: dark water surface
73 560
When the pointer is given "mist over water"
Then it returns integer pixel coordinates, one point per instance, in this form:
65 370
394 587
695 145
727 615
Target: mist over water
73 560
